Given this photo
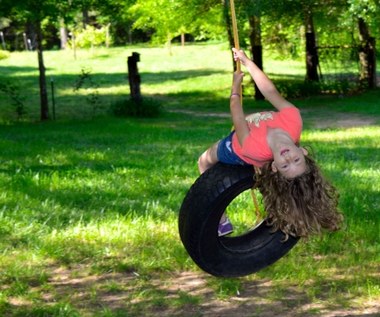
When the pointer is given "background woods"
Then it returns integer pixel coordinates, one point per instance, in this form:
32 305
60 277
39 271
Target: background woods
325 33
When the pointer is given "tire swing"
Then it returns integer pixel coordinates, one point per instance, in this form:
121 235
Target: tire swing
201 210
199 218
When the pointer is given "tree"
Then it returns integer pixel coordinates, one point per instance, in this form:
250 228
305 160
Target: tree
115 14
167 18
301 11
254 11
312 59
33 13
256 47
228 25
367 15
367 55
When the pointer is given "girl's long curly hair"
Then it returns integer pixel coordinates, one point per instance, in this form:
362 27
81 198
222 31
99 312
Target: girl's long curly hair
301 206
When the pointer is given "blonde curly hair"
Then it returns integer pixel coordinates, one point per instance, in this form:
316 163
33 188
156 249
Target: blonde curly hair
305 205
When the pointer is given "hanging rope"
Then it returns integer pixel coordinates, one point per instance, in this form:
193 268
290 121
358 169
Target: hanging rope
238 69
236 42
235 31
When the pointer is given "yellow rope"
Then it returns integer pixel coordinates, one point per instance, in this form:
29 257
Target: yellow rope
238 68
235 31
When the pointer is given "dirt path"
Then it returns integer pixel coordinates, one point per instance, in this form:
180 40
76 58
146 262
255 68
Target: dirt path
188 294
330 119
320 119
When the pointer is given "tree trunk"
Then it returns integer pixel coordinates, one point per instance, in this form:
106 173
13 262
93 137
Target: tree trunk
130 33
367 56
257 49
42 77
63 34
85 18
108 35
169 44
311 49
29 35
228 22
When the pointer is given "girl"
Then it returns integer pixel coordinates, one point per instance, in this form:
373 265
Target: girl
298 200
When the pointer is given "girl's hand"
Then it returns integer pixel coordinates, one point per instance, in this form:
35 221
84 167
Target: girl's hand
239 55
236 81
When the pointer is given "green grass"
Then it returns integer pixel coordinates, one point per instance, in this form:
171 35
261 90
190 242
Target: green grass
88 208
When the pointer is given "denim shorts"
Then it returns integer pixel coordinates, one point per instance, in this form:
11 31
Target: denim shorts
226 154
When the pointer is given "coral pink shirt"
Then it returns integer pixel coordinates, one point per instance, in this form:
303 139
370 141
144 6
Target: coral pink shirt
255 149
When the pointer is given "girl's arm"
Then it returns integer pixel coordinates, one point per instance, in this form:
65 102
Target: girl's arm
237 113
264 84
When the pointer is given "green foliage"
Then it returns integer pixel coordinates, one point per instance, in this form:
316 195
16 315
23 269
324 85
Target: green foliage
368 10
365 9
282 21
145 108
163 16
13 92
169 19
209 25
85 81
303 89
31 11
4 22
90 37
4 54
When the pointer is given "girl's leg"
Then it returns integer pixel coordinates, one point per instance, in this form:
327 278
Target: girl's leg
208 158
205 161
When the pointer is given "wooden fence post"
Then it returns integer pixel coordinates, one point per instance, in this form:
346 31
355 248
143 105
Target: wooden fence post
134 77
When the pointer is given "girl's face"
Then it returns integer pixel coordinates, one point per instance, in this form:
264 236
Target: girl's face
289 161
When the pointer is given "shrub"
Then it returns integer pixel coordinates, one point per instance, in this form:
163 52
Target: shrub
85 81
300 89
91 37
4 55
13 91
146 108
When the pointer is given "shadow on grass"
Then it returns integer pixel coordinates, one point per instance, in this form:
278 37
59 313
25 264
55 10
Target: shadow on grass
183 294
117 153
70 104
107 79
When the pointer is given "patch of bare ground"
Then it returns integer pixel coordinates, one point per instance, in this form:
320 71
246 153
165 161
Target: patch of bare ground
188 294
318 119
331 119
256 298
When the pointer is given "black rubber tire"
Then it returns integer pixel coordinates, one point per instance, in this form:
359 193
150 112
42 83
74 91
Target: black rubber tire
199 217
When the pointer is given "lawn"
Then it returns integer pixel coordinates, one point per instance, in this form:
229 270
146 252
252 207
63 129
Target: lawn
89 202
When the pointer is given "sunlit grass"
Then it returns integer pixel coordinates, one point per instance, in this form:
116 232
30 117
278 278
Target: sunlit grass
100 201
183 72
101 196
